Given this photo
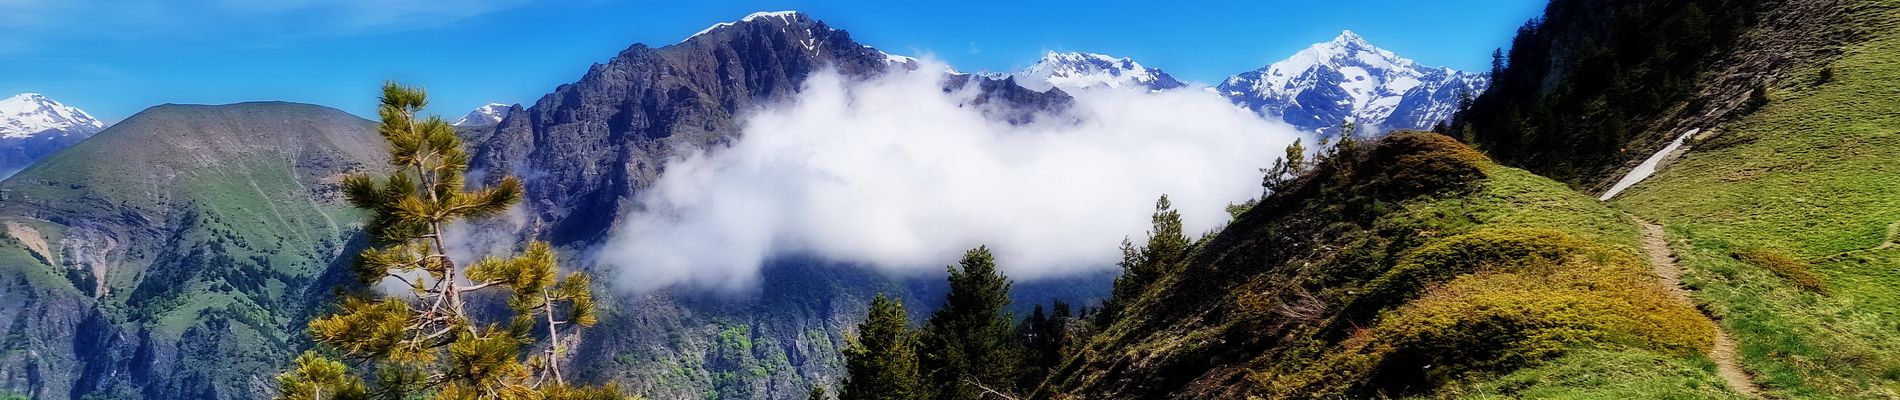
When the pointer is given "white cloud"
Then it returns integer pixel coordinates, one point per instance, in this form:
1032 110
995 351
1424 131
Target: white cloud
896 174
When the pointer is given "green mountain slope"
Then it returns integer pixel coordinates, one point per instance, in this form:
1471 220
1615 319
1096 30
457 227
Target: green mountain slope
176 254
1786 220
1418 268
1785 202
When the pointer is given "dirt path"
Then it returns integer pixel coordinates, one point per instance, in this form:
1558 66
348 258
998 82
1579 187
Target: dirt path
1663 261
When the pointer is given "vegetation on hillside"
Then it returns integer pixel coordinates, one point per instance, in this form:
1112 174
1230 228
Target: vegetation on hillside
427 342
1785 220
1143 265
1405 266
176 254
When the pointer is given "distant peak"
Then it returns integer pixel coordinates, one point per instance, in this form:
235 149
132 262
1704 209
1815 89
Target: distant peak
1348 38
489 114
1077 69
1058 56
782 15
28 114
785 17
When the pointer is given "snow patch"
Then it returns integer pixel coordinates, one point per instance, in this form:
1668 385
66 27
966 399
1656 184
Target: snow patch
782 16
489 114
1647 168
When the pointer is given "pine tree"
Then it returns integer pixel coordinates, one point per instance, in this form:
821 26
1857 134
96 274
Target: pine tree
1167 242
1284 169
818 393
318 378
1497 63
1142 266
426 343
1348 143
1128 286
1045 337
882 363
968 350
1063 327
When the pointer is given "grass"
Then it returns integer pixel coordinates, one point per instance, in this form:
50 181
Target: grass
1512 286
1811 177
1559 288
1605 375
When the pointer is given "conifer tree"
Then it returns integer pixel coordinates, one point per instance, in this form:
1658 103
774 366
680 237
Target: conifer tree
818 393
1284 169
316 378
1141 266
1348 143
1167 242
424 343
882 363
1045 340
968 350
1497 63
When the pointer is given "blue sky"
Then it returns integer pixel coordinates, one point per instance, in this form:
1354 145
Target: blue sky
116 57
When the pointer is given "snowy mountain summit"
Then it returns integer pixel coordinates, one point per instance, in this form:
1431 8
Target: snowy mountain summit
1075 70
1350 80
485 115
31 114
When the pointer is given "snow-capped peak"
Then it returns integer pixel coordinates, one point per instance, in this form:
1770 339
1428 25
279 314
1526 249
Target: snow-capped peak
485 115
782 16
1346 37
1076 70
1366 85
30 114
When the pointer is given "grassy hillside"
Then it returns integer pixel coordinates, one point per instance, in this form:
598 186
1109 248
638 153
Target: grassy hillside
1786 220
176 254
1417 268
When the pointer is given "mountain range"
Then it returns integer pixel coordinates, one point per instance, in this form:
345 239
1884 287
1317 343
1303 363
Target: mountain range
178 254
1317 89
197 263
197 315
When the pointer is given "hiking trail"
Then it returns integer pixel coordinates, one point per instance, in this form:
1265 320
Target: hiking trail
1663 261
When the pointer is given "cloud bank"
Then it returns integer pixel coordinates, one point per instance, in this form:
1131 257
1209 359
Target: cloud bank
895 173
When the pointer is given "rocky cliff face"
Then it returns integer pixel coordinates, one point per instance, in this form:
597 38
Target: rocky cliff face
586 146
590 147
